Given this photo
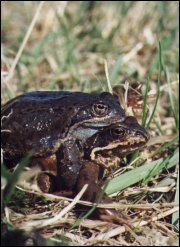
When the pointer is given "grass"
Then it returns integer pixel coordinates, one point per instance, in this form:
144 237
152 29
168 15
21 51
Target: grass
12 179
80 46
145 172
158 87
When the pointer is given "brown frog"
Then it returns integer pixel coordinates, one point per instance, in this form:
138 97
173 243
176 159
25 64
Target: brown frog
100 151
105 148
55 125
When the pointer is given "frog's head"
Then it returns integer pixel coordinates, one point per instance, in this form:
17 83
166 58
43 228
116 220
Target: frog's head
116 141
95 112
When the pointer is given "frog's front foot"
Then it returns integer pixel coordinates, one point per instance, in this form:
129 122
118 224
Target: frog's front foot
89 175
45 182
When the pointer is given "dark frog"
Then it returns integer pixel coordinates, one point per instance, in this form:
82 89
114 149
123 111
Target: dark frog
55 123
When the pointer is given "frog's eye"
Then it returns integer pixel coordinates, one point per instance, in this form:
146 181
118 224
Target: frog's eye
100 109
118 132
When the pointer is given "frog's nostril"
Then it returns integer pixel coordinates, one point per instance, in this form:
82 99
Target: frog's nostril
143 133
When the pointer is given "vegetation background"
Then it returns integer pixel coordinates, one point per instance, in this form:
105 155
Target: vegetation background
67 49
70 40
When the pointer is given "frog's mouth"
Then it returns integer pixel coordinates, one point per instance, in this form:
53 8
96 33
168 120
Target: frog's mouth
102 122
119 148
112 153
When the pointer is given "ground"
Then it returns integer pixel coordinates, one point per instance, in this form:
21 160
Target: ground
130 48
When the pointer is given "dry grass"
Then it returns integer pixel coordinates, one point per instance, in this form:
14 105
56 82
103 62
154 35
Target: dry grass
81 46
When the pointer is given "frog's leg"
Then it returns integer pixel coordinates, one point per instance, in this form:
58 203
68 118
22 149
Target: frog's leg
89 174
69 159
46 178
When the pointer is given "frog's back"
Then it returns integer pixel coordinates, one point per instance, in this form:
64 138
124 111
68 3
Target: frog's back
38 97
40 120
36 120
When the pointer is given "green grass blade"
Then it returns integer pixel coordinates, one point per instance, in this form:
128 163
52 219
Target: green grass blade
129 178
145 103
158 91
13 178
166 146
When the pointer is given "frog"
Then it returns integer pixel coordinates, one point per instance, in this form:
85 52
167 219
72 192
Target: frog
100 152
53 124
106 148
